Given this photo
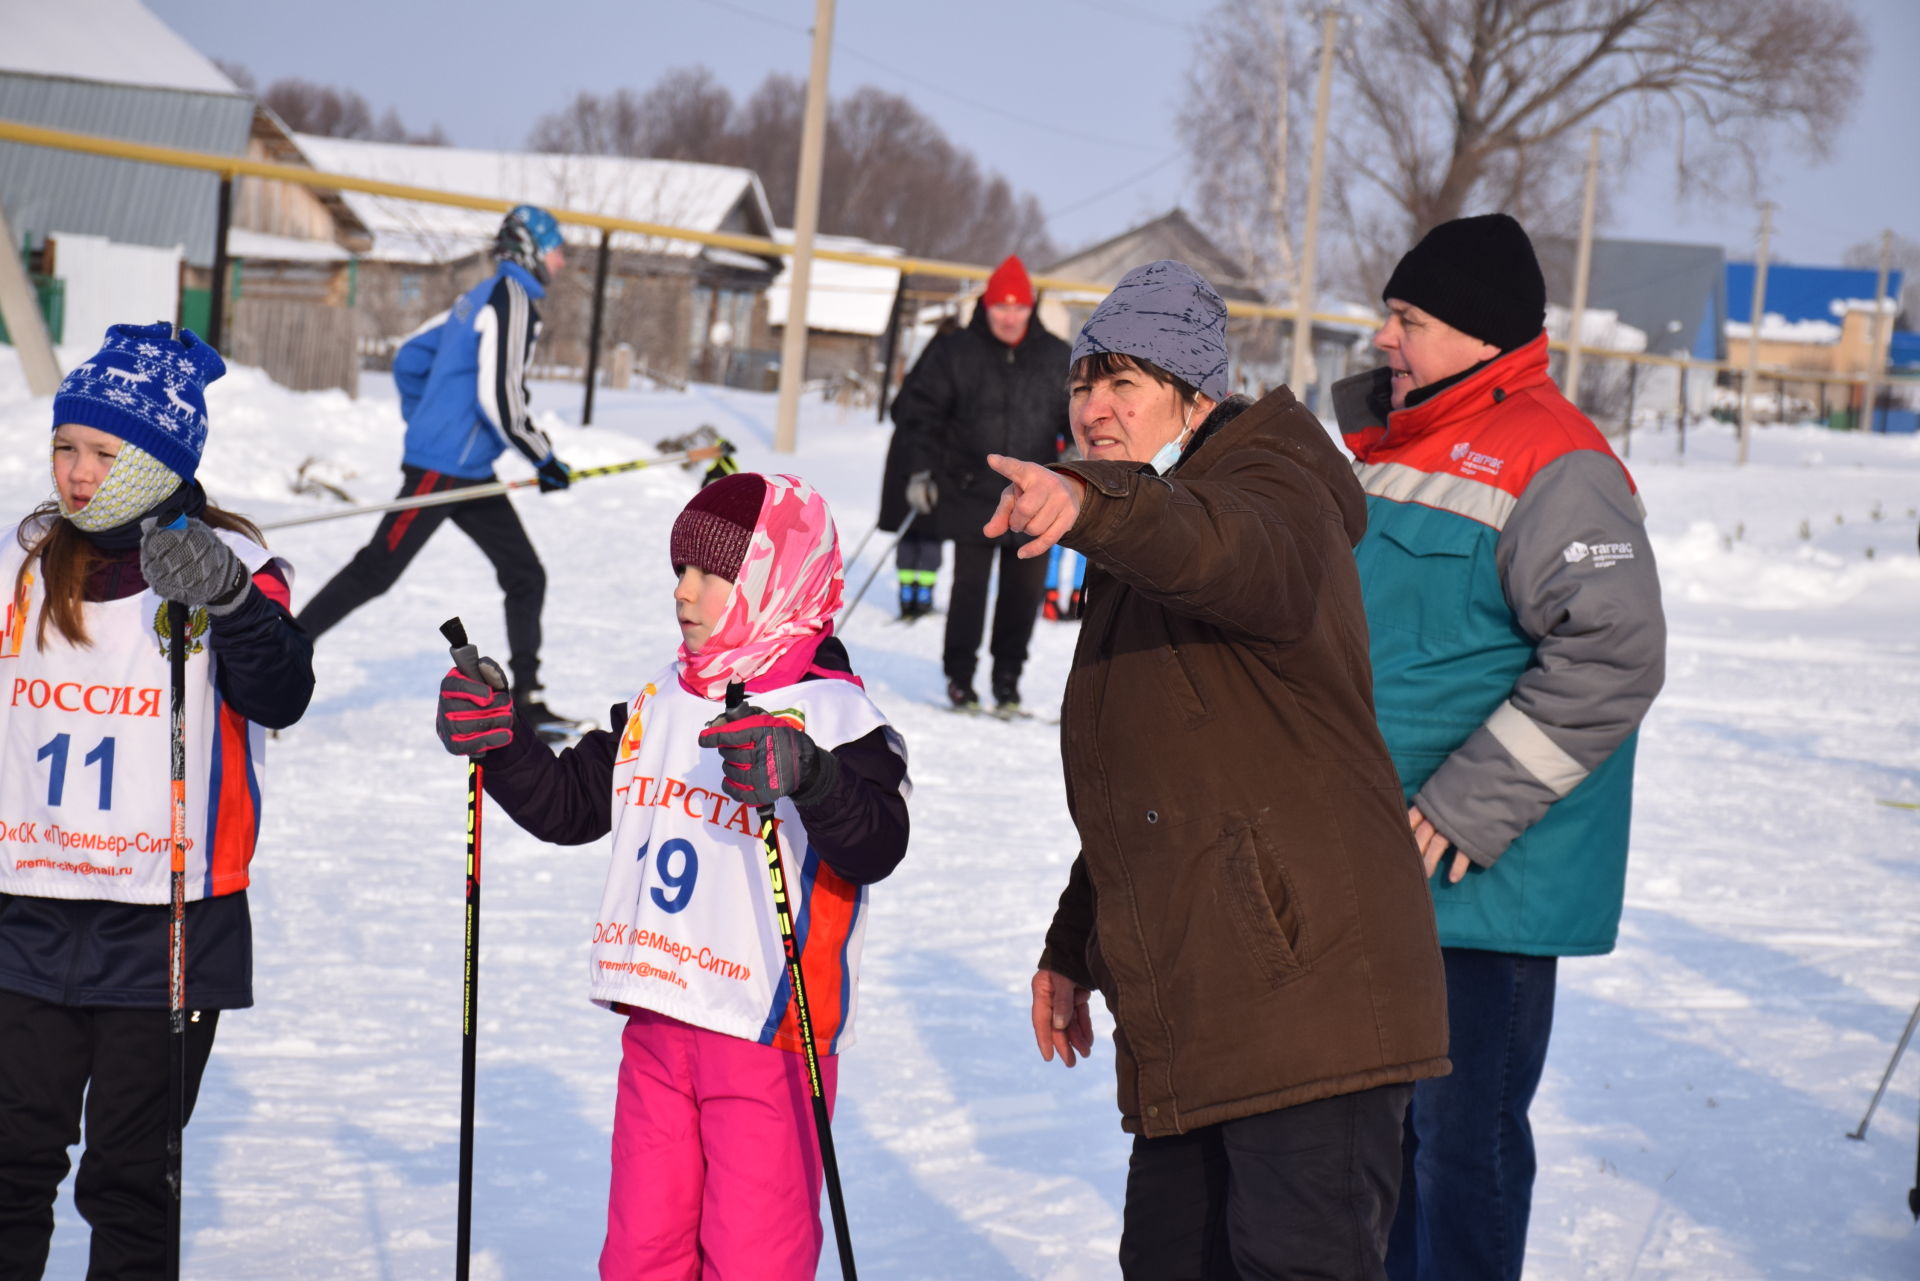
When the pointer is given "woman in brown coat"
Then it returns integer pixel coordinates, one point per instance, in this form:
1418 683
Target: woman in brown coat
1247 897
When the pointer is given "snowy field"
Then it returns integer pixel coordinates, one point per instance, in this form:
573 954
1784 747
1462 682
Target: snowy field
1702 1077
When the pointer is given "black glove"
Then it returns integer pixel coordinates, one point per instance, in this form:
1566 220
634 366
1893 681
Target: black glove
554 474
193 566
922 493
472 717
766 758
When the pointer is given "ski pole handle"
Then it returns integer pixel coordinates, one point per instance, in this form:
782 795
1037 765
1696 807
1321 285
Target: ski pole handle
466 657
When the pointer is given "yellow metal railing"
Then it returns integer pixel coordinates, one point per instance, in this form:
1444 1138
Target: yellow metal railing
241 166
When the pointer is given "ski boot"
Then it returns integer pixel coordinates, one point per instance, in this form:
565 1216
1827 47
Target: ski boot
530 706
962 698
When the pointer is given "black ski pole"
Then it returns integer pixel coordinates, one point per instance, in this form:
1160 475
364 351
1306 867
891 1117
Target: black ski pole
894 546
854 559
177 926
466 657
803 1017
1913 1020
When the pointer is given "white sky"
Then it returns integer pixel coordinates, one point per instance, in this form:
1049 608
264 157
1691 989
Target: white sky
1069 98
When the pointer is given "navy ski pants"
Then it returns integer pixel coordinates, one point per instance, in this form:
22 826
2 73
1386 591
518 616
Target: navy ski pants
63 1064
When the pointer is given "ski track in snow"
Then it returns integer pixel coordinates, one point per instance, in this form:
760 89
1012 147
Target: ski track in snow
1701 1078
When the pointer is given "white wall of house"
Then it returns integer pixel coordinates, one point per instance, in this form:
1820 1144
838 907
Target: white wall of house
113 284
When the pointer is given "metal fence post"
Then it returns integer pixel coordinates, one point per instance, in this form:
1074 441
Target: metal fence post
217 300
593 326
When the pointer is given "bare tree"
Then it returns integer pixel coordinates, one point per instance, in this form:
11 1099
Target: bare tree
1454 106
1235 123
890 173
1466 104
307 107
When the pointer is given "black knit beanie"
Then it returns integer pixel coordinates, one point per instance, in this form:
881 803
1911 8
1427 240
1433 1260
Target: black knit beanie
1480 276
713 530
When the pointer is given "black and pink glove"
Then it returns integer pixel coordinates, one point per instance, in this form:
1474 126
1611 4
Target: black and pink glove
473 717
765 758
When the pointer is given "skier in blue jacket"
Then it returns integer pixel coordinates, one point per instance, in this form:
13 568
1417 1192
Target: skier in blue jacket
462 384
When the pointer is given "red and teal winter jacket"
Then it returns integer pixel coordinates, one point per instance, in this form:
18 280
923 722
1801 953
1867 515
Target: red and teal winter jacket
1517 641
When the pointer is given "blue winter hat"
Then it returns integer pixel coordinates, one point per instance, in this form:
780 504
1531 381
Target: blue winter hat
1167 313
146 385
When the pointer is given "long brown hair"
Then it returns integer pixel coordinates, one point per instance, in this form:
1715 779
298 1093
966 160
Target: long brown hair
68 558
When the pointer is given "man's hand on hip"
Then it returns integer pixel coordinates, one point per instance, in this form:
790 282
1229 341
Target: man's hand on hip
1434 845
1038 501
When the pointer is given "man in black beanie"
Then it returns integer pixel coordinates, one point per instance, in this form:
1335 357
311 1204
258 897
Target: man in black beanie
1517 642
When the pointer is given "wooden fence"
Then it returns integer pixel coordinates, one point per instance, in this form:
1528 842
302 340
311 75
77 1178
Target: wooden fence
302 346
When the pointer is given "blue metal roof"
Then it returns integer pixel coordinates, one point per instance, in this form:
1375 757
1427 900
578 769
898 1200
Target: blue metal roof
1802 293
1904 352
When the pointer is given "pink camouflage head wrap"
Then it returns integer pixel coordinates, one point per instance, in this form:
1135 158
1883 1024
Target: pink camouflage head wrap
782 604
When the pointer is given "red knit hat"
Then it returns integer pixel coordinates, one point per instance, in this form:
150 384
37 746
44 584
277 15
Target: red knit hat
1009 284
713 530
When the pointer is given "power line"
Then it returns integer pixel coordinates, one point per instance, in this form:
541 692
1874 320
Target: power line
1122 185
920 82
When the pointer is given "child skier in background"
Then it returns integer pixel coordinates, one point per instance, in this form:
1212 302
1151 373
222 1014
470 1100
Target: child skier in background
85 739
716 1167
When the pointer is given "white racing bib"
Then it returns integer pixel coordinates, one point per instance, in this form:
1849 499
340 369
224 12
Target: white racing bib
686 924
85 747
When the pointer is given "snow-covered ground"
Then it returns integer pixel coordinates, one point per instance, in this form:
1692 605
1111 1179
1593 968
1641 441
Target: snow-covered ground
1702 1077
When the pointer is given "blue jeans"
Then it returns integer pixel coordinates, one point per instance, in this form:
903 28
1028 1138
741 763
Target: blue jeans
1467 1188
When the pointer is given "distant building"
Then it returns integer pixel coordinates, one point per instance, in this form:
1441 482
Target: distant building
116 241
688 310
1662 297
1261 350
1814 319
849 310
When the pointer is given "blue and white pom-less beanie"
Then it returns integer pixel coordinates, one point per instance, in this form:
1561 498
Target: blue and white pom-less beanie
146 385
1167 313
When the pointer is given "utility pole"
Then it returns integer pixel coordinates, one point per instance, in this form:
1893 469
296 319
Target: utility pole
1753 338
1876 359
806 221
1583 268
26 327
1302 374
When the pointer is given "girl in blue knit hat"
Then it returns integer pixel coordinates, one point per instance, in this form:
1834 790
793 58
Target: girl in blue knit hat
85 817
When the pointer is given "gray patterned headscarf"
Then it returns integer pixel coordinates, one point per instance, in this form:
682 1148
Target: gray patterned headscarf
1167 313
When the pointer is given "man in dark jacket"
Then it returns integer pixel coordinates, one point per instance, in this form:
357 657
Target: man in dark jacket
1247 897
1518 640
995 387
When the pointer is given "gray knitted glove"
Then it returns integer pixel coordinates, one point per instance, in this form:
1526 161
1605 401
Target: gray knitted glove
192 566
922 494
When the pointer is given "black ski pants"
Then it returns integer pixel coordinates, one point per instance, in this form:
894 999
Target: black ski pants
490 522
1022 582
65 1063
1304 1193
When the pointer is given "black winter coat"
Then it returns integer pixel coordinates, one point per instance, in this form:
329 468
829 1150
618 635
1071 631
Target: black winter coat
970 395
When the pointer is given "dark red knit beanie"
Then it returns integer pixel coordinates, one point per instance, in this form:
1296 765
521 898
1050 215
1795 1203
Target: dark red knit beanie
712 531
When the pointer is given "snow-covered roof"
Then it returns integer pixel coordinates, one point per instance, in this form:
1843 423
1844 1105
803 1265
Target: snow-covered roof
679 193
1775 327
111 41
842 297
264 246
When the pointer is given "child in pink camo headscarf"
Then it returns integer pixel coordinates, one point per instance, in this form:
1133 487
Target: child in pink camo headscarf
716 1167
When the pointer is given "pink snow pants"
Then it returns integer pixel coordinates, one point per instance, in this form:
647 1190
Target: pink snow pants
716 1168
